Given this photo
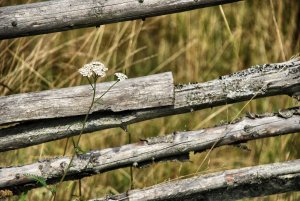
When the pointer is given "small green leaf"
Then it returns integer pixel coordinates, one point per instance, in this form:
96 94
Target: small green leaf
41 181
38 179
78 150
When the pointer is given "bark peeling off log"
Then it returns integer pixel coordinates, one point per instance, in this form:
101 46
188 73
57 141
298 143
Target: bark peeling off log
227 185
261 81
61 15
132 94
148 151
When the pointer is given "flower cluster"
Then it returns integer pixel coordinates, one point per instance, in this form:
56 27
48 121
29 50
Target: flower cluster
97 68
94 67
121 76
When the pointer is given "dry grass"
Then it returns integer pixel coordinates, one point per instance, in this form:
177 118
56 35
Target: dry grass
196 46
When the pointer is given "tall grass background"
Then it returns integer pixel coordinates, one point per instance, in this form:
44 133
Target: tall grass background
196 46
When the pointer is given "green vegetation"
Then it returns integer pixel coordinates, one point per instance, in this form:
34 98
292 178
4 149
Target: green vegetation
41 181
196 46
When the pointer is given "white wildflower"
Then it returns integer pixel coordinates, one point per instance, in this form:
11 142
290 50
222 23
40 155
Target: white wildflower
86 71
121 76
99 68
94 67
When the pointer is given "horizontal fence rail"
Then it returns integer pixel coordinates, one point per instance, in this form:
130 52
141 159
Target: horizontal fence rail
176 146
226 185
61 15
131 94
255 82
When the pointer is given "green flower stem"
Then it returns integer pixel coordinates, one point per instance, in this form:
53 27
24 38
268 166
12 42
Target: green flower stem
82 129
106 91
87 114
131 169
93 85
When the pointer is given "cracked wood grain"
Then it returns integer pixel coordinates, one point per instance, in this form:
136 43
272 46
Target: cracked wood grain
222 186
176 146
61 15
131 94
255 82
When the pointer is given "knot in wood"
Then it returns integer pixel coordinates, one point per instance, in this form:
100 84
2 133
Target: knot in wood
14 23
286 113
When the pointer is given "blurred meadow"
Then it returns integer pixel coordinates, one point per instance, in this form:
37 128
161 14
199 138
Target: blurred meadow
196 46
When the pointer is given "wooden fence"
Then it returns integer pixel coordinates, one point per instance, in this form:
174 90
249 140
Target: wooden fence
226 185
62 15
170 147
33 118
160 99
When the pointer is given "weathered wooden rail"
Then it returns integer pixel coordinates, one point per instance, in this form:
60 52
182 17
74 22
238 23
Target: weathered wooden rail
61 15
170 147
226 185
132 94
255 82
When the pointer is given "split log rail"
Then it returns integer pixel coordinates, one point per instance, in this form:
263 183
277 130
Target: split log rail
61 15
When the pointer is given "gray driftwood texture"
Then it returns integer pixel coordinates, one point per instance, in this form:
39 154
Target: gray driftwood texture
132 94
176 146
255 82
226 185
60 15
